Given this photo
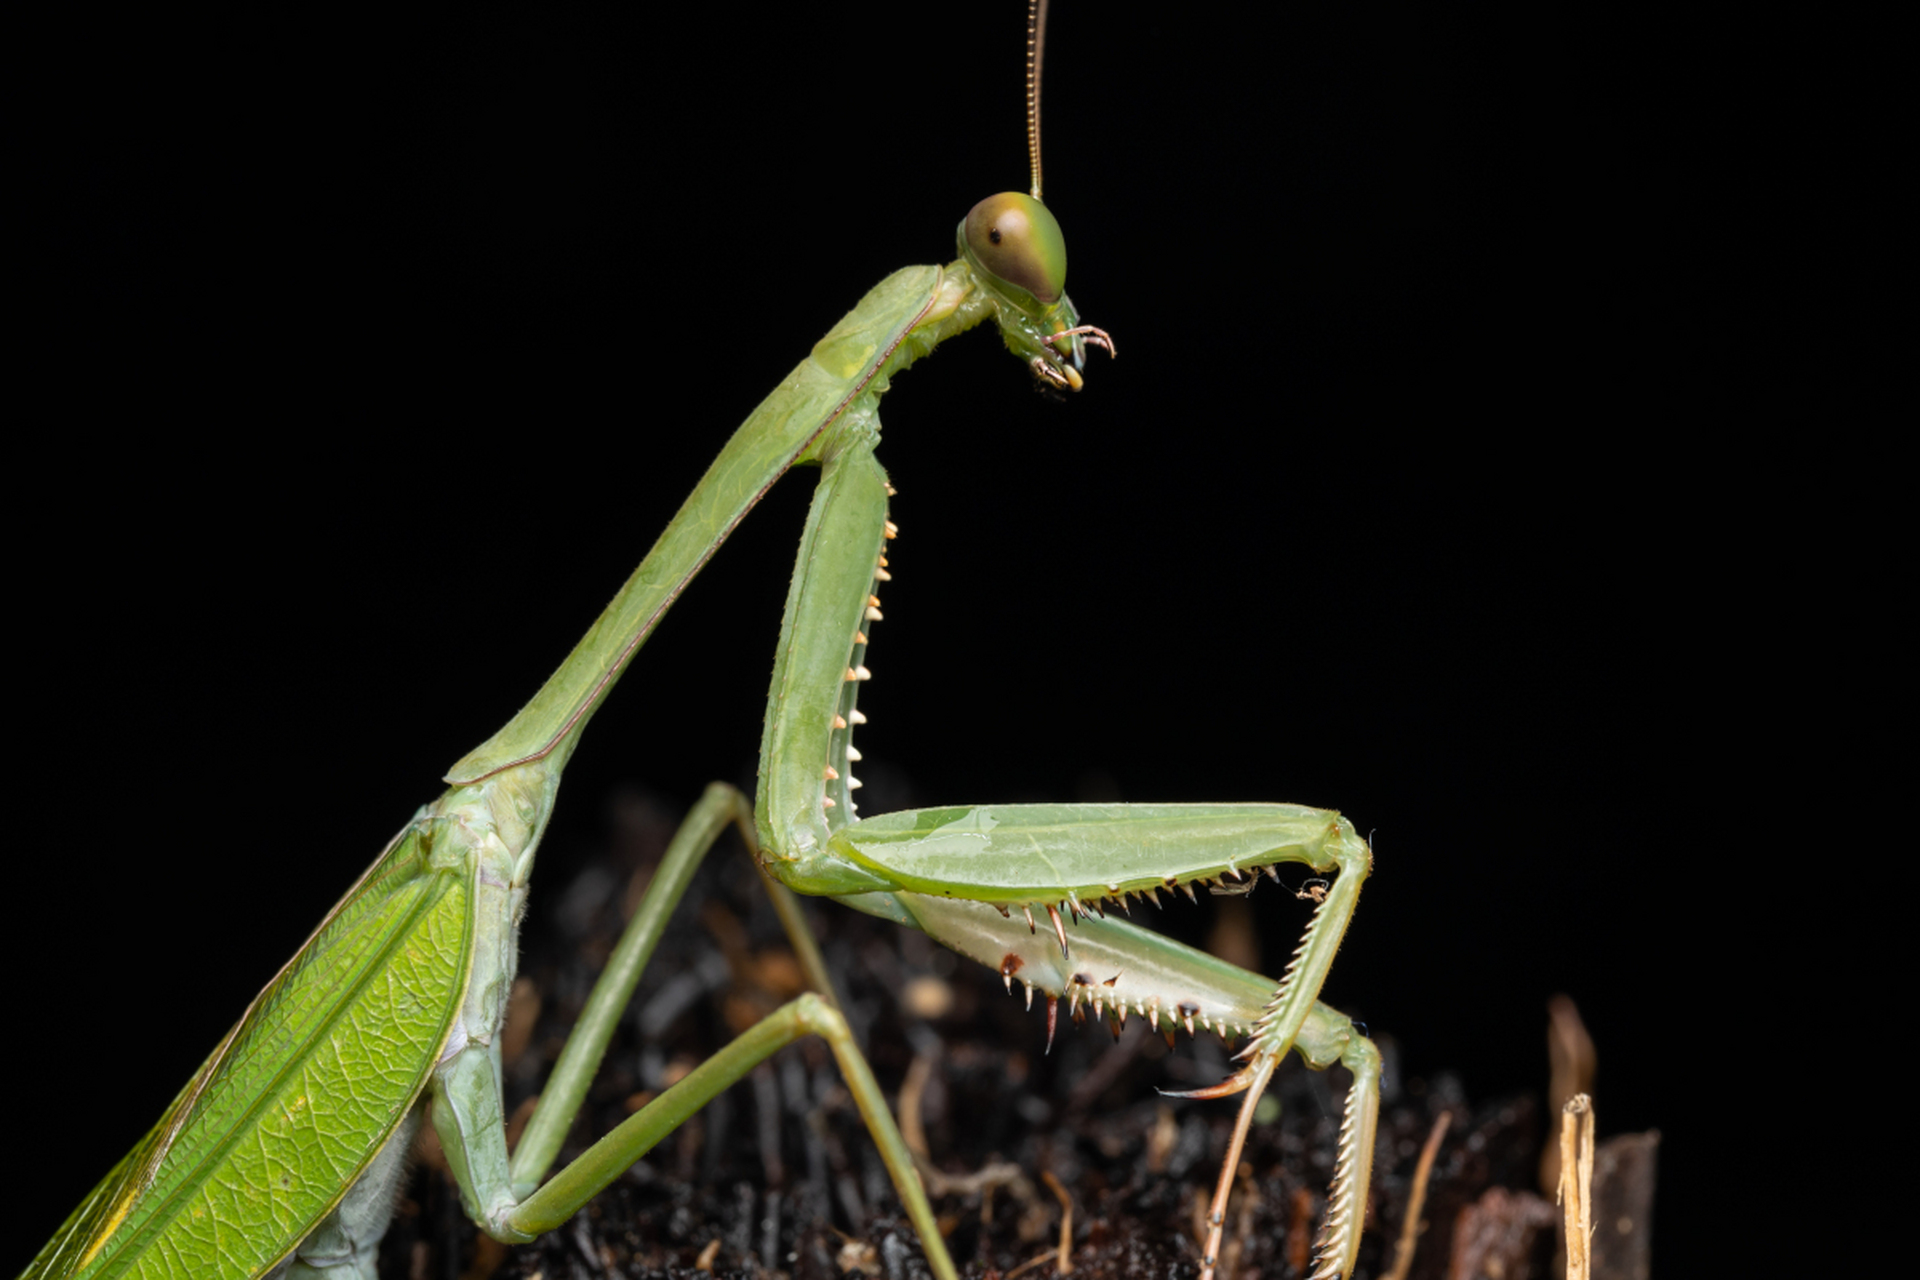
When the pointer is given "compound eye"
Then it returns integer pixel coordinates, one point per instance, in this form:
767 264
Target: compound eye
1014 236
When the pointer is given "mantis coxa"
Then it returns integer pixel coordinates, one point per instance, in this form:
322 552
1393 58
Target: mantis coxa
287 1140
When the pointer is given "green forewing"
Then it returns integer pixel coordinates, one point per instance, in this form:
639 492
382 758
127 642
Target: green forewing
1031 853
279 1122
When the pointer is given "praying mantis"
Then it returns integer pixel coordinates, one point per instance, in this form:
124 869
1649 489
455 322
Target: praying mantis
1235 840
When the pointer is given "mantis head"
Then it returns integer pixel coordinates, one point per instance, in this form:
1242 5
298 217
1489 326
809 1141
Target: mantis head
1014 247
1016 239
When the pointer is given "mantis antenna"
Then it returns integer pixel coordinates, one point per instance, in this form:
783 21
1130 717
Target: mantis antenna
1036 47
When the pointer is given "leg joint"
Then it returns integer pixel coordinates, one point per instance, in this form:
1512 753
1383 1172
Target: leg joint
819 1017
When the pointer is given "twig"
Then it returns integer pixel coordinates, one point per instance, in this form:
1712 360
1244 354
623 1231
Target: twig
1066 1222
1300 1231
1236 1248
912 1090
938 1182
1576 1183
1037 1260
1571 1061
1411 1226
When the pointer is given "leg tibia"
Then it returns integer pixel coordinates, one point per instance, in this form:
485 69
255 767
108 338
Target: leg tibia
587 1043
1300 985
1339 1242
580 1181
1114 969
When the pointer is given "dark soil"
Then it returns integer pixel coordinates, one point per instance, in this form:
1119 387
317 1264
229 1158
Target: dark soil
779 1170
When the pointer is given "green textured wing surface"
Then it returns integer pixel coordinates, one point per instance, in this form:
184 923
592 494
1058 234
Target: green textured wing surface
280 1120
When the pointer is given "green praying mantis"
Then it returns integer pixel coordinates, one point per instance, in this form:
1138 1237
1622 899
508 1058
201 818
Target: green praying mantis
281 1153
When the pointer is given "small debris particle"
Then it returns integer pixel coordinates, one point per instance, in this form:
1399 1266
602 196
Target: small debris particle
927 997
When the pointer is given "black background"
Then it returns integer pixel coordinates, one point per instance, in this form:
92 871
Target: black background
378 350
